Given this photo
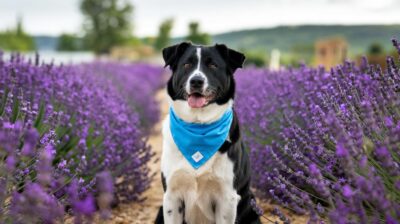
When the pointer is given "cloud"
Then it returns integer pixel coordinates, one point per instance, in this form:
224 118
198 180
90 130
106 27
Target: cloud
371 5
56 16
42 16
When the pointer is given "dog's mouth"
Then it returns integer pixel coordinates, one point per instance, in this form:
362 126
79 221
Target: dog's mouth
197 100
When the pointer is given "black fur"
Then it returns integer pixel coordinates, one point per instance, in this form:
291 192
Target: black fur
160 216
228 61
164 184
242 169
221 78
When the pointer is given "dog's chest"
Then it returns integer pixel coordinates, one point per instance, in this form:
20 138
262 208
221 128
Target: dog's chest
217 172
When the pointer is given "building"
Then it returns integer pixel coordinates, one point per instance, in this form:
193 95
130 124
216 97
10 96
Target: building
131 53
331 51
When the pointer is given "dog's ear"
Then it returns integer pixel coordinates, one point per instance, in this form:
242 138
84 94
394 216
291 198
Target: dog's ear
234 59
172 54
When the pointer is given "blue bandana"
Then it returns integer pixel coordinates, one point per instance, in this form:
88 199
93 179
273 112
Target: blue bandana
199 142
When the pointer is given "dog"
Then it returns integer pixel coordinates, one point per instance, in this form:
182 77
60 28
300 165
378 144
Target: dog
201 91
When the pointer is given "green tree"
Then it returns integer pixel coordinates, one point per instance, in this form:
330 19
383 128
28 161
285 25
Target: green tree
19 30
302 52
164 34
17 39
68 42
256 58
107 23
196 36
375 49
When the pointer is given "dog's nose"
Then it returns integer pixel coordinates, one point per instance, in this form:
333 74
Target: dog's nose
196 82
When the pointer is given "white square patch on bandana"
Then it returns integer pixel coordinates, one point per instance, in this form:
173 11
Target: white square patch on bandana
197 156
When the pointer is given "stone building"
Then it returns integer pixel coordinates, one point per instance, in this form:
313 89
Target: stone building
330 51
131 53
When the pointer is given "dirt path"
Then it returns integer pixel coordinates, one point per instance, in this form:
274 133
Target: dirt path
145 212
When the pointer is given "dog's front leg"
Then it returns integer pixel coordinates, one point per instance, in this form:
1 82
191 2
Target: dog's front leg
225 211
172 208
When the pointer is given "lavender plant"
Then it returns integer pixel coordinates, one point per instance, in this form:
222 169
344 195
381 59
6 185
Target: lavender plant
135 83
61 129
325 143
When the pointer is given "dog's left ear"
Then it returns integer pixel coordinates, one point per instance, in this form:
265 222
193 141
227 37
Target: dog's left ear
172 54
233 58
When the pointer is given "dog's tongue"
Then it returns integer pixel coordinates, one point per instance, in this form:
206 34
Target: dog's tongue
196 101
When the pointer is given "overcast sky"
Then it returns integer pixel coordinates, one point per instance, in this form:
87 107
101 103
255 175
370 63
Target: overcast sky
52 17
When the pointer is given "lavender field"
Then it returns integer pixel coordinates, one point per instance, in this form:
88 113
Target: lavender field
73 138
324 142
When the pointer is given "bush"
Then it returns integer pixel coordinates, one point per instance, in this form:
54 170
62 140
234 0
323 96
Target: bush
325 143
14 41
258 59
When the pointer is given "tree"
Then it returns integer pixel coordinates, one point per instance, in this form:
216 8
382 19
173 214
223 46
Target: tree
19 29
375 49
17 39
196 36
68 42
164 34
107 23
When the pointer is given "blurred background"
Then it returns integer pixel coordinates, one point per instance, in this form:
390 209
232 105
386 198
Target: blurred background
272 33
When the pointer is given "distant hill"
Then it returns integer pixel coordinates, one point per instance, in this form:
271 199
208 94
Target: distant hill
286 38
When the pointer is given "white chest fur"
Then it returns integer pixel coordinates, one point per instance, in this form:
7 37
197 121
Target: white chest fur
207 192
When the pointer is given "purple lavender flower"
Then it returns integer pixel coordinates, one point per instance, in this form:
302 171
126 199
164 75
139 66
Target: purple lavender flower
347 192
396 44
61 125
341 151
330 138
85 206
31 138
35 205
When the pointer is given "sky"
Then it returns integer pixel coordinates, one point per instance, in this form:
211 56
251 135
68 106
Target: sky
53 17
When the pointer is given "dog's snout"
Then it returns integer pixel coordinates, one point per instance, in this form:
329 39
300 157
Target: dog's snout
197 82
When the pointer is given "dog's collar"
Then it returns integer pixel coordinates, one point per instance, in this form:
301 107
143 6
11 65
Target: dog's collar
199 142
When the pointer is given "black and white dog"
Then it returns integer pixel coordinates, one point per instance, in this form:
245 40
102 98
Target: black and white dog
201 90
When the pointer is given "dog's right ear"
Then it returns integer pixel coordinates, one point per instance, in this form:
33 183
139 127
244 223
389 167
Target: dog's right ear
172 54
233 58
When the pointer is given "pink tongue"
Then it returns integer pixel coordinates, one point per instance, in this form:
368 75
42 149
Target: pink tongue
196 101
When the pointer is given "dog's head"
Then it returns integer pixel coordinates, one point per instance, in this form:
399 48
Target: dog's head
202 75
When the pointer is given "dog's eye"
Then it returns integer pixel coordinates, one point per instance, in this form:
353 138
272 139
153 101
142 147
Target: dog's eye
187 66
212 65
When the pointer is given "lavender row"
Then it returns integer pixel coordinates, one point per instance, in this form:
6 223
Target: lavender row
71 138
325 143
135 82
